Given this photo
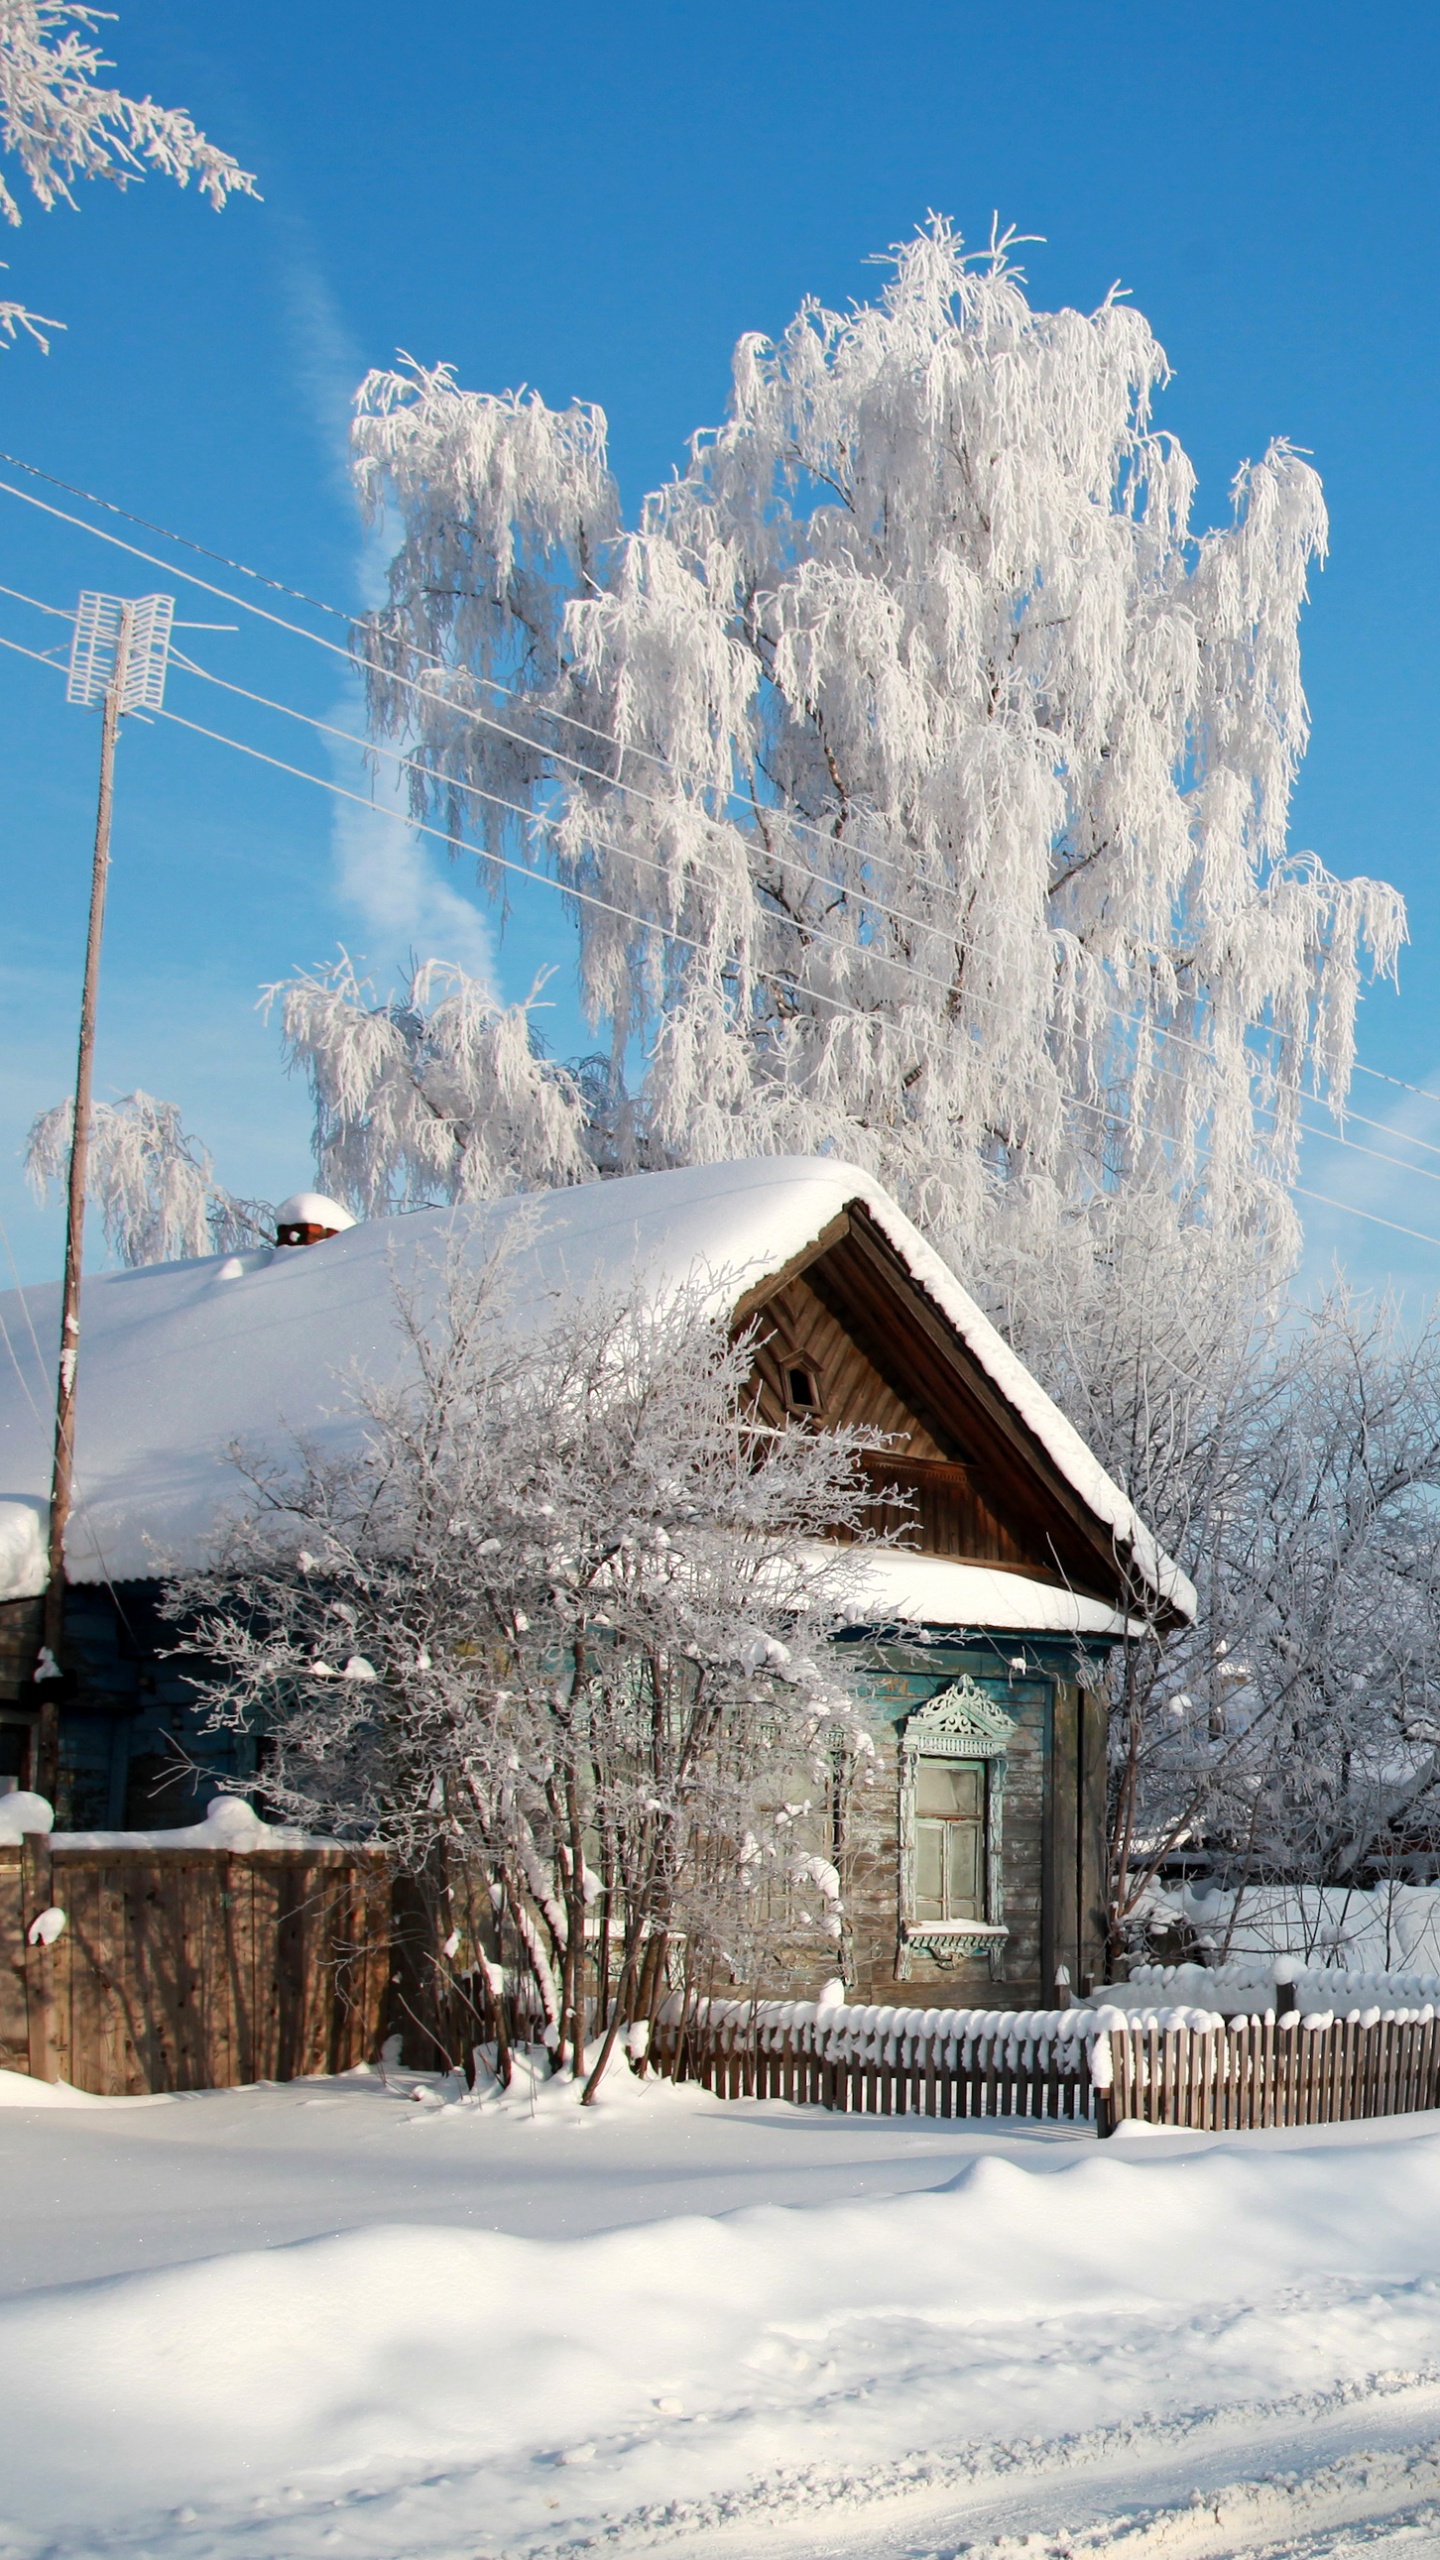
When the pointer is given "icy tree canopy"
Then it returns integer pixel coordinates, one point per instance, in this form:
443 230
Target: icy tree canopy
928 776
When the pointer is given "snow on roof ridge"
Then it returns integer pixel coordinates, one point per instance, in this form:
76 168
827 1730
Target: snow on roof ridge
262 1341
1052 1428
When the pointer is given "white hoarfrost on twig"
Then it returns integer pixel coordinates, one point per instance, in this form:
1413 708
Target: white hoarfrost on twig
154 1185
585 1590
438 1094
62 125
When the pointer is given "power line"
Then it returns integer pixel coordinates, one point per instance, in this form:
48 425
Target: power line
1347 1209
1076 1100
469 714
905 969
221 558
60 612
456 843
1388 1126
477 718
813 933
1116 1119
1422 1090
626 915
561 888
1333 1138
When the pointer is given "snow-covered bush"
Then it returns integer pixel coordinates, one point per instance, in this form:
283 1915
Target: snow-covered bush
558 1638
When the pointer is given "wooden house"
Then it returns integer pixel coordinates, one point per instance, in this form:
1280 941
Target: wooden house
973 1864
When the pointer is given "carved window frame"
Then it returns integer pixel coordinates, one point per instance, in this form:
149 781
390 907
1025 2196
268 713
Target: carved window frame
959 1722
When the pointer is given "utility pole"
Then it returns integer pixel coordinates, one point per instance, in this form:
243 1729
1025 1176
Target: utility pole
118 658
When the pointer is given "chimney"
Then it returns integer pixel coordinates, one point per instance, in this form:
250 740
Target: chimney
307 1217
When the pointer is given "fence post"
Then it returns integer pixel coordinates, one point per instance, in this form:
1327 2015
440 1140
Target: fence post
37 1895
1102 2083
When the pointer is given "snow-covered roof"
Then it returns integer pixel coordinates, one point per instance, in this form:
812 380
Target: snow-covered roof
889 1585
179 1360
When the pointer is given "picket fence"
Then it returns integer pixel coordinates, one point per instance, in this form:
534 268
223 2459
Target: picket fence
1246 2072
1177 2066
884 2061
189 1968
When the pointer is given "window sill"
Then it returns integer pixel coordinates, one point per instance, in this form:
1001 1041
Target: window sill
948 1940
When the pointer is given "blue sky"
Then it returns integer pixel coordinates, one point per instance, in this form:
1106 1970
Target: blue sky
598 203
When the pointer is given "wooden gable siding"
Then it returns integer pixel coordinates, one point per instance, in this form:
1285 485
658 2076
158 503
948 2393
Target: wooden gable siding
797 1326
945 1509
984 1488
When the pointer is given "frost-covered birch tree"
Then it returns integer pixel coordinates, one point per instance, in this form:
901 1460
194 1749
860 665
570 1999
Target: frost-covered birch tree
930 773
63 124
439 1093
153 1184
557 1637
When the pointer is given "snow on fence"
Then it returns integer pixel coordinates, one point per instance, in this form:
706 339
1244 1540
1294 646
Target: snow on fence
134 1968
1248 1982
1179 2066
885 2061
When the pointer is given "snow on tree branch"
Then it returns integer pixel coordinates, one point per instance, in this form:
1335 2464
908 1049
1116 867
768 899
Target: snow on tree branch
946 768
558 1639
14 317
63 126
440 1094
154 1186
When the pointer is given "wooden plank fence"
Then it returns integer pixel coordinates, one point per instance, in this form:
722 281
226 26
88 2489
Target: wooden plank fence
1180 2069
1257 2071
192 1968
195 1968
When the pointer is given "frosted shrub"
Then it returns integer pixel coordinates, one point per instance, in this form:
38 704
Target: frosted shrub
554 1639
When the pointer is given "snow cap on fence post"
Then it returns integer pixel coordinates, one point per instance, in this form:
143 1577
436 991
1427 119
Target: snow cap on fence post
1102 2081
1287 1973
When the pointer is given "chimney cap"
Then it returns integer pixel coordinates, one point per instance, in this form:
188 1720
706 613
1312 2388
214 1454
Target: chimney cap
313 1209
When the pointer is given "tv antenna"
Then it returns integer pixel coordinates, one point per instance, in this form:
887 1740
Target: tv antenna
119 655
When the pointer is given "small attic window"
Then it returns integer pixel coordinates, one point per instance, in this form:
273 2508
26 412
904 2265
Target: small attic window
802 1390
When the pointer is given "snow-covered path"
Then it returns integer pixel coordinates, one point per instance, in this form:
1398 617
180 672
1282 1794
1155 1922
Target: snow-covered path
328 2320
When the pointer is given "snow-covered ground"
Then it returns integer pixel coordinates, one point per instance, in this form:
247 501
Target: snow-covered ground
334 2318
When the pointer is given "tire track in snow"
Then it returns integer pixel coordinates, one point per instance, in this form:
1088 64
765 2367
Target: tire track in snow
1024 2500
1109 2493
